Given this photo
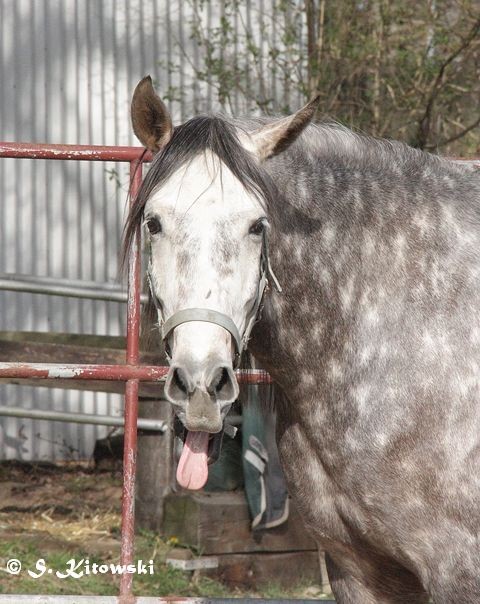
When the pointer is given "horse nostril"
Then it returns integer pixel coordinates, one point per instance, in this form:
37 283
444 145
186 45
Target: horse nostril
178 382
223 380
177 385
223 384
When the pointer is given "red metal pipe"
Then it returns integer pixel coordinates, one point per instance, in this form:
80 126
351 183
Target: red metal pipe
131 395
253 376
119 373
78 152
134 261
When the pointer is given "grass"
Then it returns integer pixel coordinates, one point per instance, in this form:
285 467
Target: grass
165 581
60 514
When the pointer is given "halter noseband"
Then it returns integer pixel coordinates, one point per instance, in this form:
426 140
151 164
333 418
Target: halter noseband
213 316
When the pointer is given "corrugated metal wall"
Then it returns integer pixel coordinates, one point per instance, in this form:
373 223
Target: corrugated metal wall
68 68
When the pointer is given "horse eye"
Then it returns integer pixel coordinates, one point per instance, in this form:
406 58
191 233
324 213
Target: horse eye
154 226
257 227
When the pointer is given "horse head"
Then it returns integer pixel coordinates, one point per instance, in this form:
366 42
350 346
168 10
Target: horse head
204 206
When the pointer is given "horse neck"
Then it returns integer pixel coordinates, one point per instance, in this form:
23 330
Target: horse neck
338 243
288 339
318 228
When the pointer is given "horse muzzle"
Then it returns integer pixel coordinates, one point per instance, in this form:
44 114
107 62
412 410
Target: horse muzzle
203 413
202 401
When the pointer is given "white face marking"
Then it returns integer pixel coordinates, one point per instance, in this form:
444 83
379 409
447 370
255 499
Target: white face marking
205 256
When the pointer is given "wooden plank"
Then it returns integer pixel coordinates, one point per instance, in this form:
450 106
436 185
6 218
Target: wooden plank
219 523
154 466
250 570
35 347
147 389
40 347
74 339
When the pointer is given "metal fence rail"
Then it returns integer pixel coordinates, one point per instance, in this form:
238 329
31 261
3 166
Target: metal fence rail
72 288
80 418
145 600
130 372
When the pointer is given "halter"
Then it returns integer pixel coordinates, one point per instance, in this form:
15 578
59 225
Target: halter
209 315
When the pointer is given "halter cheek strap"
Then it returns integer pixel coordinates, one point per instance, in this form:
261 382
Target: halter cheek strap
208 315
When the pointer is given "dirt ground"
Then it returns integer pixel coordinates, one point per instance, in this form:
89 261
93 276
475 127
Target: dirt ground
60 513
71 504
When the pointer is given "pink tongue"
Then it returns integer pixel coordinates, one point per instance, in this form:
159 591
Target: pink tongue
192 470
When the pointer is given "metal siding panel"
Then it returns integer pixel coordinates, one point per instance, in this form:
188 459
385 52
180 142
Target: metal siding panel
68 68
58 82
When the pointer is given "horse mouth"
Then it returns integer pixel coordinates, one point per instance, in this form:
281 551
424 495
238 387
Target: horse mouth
200 450
214 440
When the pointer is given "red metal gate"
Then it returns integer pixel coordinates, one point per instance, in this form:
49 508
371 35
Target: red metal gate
130 372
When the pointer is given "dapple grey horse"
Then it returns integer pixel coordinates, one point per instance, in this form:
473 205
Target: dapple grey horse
370 326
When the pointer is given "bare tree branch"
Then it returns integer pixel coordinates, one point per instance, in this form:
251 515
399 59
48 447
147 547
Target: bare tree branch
456 137
425 121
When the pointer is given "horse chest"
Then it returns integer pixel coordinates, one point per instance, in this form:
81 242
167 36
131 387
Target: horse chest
318 491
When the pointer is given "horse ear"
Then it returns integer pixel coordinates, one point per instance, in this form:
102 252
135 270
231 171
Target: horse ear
151 119
275 137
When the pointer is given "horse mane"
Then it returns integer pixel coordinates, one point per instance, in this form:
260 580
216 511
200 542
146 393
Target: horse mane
327 142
